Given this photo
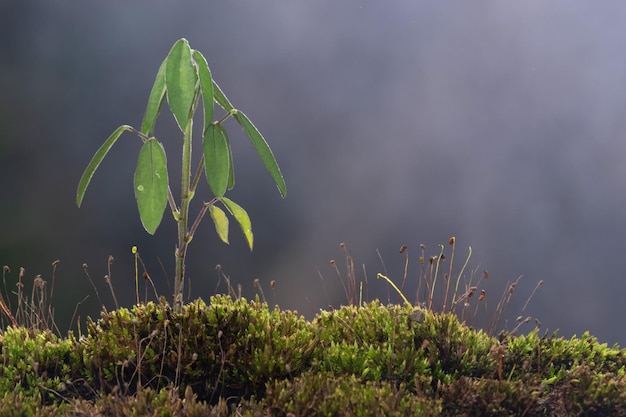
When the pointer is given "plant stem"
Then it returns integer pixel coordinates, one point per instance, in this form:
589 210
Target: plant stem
196 177
183 238
170 200
201 214
432 291
445 299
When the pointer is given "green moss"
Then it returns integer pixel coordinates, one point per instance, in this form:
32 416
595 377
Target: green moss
234 357
327 394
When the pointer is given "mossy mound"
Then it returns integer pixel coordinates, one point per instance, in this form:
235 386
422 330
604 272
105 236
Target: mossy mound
234 357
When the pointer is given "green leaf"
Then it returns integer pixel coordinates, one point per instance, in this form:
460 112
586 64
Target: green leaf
155 100
180 81
231 172
96 160
151 184
216 159
242 218
263 150
221 222
206 84
220 97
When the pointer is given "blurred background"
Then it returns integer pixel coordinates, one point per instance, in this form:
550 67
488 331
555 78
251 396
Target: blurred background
404 123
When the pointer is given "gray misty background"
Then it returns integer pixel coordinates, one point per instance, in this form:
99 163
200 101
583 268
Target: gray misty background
395 123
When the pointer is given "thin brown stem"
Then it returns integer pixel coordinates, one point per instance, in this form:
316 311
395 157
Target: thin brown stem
199 217
196 177
225 117
172 203
138 133
445 297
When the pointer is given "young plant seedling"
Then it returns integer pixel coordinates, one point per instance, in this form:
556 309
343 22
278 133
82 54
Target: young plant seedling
183 78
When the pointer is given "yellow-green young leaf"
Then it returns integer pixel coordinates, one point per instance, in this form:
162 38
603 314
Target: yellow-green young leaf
242 218
221 222
206 84
180 82
263 150
216 159
155 100
151 184
95 162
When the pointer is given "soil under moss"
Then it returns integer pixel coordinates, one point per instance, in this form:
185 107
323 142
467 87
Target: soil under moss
235 357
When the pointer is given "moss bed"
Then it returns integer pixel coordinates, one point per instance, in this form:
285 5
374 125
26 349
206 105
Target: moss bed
241 358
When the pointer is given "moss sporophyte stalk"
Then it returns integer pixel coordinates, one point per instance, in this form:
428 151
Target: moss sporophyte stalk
184 80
